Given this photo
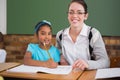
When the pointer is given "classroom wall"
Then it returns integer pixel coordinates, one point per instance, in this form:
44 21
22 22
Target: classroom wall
16 44
23 15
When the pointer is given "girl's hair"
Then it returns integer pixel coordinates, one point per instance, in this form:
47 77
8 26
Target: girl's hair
42 23
82 2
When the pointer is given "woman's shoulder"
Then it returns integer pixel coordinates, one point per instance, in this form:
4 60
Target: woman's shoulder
61 31
93 30
95 34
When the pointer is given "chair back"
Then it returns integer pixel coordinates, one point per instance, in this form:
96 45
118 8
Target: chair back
2 55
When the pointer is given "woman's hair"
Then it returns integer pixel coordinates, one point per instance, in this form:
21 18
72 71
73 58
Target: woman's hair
42 23
82 2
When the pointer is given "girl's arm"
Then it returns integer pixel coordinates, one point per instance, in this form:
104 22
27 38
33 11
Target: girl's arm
29 61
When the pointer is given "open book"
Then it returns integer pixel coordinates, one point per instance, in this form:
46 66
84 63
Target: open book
35 69
108 73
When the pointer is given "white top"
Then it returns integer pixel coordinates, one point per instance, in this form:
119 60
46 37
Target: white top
2 55
80 49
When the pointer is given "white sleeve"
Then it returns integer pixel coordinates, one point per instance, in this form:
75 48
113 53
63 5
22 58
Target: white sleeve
99 50
2 55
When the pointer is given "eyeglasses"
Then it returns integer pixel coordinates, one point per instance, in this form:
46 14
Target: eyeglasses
78 13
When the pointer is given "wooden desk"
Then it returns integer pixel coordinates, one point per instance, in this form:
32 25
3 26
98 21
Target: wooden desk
88 75
5 66
81 75
41 76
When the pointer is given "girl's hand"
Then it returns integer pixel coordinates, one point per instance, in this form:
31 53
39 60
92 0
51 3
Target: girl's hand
63 61
51 64
81 64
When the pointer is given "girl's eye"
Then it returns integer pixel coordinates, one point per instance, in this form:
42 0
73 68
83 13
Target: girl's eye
50 33
42 33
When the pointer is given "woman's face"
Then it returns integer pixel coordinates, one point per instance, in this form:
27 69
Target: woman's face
45 35
76 14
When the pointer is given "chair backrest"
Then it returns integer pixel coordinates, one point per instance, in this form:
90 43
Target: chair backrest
2 55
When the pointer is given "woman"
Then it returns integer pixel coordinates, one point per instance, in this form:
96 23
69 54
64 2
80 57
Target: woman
75 43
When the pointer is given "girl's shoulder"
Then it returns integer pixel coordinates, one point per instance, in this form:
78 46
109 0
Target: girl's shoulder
53 47
33 45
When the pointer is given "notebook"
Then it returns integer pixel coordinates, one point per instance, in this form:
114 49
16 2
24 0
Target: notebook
35 69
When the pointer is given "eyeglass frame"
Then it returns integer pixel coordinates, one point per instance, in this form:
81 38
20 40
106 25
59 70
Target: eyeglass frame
78 13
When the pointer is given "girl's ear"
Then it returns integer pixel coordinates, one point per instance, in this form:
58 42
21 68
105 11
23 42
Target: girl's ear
86 16
36 37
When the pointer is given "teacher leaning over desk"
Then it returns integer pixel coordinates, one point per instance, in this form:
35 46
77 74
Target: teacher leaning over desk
77 41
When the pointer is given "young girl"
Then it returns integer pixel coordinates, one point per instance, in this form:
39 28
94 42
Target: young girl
42 54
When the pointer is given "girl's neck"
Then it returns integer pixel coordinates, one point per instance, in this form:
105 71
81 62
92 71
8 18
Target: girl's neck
45 47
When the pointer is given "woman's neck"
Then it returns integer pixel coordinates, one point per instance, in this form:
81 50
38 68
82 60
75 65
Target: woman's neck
75 30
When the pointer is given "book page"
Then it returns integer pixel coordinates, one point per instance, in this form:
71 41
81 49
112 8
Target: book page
35 69
108 73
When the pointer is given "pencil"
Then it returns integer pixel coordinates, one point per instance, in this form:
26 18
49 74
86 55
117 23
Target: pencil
47 51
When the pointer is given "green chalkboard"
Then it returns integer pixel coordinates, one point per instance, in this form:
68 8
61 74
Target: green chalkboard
23 15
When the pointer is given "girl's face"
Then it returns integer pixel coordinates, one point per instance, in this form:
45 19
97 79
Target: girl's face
76 14
45 35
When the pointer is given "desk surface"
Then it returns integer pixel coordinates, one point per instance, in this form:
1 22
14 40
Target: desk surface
5 66
88 75
80 75
36 76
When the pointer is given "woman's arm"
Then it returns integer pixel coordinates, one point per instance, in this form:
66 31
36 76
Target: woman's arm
99 50
63 60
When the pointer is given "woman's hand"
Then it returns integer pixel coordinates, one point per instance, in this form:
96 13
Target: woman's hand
51 64
81 64
63 61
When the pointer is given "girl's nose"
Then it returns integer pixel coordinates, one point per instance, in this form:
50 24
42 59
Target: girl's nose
46 36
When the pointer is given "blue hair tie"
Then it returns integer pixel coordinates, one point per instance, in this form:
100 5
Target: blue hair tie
42 23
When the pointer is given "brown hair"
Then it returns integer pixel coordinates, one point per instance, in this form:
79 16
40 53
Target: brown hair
82 2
